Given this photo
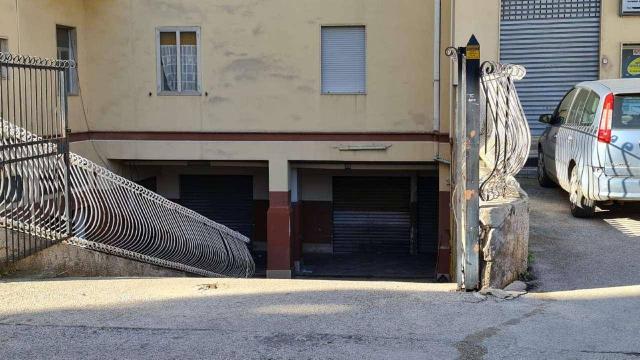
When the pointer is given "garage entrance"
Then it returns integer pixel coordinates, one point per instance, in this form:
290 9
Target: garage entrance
226 199
382 227
229 200
371 215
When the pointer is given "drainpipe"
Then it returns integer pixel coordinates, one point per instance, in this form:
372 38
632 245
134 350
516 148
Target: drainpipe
436 66
18 24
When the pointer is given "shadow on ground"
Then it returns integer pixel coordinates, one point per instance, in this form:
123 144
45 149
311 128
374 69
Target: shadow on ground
570 253
302 319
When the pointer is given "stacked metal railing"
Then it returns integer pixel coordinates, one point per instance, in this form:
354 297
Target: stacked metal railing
114 215
48 194
506 137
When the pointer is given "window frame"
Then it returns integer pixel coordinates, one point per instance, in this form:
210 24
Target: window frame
73 88
366 58
4 73
177 30
556 113
577 107
596 97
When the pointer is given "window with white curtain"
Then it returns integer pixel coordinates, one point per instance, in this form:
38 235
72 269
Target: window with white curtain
344 63
178 63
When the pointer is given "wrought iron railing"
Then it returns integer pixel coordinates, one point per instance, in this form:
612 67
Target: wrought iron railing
506 137
111 214
49 194
32 95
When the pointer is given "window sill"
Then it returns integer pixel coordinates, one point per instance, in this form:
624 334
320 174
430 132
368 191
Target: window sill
183 93
343 93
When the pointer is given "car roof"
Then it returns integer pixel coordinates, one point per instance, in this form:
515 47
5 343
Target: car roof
616 86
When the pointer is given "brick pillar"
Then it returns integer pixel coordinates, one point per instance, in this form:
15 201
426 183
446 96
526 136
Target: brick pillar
279 235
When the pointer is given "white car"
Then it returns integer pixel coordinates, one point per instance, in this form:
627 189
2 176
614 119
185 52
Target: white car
591 146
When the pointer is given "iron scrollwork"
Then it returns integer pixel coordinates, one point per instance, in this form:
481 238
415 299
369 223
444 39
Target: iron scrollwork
506 137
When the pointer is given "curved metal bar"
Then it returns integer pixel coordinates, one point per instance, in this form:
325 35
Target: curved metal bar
506 137
19 59
452 52
112 214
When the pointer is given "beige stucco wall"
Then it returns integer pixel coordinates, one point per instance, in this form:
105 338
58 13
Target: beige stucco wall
31 30
260 66
616 30
279 154
482 18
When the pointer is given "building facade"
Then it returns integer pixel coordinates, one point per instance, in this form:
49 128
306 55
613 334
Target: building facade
320 129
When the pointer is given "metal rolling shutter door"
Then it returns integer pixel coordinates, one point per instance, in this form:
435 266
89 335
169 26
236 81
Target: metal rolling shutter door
343 59
226 199
558 41
371 215
427 215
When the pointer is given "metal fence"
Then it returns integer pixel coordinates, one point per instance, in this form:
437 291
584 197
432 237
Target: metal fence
33 169
49 194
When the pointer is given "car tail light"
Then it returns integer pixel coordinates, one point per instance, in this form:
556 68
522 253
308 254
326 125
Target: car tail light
604 130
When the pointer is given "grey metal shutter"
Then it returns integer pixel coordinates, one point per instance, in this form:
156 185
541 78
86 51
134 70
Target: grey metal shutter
371 215
427 215
226 199
343 60
558 41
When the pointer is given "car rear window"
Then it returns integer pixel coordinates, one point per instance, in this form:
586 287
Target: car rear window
626 112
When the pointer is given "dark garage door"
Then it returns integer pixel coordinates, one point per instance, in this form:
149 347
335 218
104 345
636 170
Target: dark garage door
371 215
427 215
225 199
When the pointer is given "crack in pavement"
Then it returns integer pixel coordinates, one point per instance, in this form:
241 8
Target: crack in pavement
281 338
628 353
472 348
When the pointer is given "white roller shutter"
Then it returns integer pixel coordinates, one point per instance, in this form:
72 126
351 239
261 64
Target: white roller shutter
343 60
558 41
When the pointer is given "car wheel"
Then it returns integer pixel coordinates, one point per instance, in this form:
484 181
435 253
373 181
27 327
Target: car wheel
543 179
580 207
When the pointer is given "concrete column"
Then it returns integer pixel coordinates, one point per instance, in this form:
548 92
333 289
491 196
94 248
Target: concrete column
279 235
296 218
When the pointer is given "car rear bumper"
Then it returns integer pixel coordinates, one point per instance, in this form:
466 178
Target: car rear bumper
621 188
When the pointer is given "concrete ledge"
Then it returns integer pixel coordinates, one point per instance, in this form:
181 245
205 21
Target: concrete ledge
279 274
504 240
63 259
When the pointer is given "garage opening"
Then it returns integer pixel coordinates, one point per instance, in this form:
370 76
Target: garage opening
229 200
382 227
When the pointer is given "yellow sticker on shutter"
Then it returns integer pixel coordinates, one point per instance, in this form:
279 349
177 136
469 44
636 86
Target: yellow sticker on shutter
634 67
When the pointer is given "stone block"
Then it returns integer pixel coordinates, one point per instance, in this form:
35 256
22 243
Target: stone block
504 240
